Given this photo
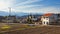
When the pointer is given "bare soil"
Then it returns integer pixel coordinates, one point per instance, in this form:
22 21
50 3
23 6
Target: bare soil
39 30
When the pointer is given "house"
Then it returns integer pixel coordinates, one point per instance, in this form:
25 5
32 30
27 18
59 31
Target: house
9 19
1 18
48 19
58 20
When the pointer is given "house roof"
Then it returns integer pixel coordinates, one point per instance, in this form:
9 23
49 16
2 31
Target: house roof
47 14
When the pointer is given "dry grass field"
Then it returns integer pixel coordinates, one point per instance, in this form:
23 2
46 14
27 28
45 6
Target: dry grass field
37 30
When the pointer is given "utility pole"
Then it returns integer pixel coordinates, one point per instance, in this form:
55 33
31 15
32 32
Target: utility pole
9 11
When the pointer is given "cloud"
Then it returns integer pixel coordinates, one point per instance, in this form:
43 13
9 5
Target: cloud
50 10
4 4
27 2
33 8
41 10
27 6
8 1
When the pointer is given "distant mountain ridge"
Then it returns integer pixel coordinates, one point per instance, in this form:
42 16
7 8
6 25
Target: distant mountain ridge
3 13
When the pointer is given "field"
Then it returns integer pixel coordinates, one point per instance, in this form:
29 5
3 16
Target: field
23 29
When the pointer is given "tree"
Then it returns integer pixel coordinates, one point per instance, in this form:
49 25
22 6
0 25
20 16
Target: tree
29 20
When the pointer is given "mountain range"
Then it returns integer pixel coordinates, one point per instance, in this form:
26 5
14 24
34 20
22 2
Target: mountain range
3 13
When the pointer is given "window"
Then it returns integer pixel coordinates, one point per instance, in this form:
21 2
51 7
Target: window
47 22
46 18
44 22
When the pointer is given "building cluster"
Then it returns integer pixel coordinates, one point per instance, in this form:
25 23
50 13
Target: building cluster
45 19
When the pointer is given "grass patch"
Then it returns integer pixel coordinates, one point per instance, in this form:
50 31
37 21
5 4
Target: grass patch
5 27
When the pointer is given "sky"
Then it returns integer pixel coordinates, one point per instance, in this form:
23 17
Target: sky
31 6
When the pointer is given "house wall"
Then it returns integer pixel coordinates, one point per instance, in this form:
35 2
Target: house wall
53 19
58 20
45 20
50 19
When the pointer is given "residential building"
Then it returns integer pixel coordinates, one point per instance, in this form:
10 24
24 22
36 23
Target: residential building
49 19
58 20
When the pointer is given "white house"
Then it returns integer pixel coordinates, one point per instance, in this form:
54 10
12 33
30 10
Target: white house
47 19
